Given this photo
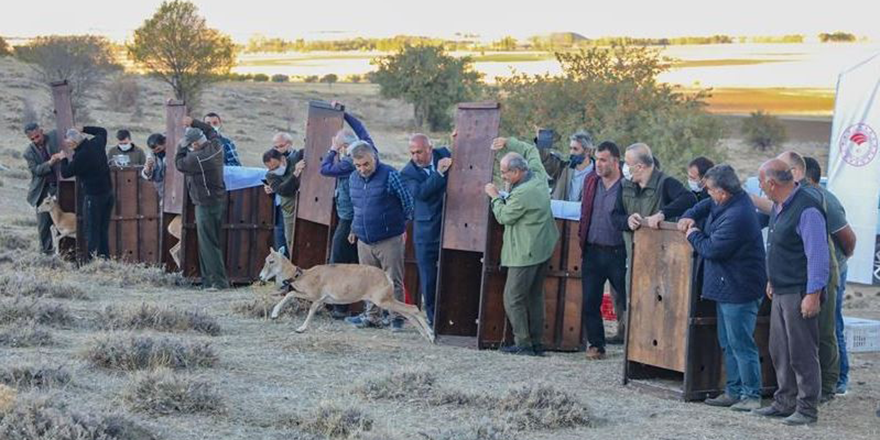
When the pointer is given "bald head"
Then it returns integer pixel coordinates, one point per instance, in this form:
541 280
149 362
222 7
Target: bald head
513 168
421 150
776 179
795 162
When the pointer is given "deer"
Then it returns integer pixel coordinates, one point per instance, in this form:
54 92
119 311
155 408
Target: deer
337 284
175 228
63 223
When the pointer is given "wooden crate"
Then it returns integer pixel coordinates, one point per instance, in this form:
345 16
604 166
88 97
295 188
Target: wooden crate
136 221
671 343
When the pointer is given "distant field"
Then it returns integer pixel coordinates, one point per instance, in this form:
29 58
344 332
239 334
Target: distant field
779 101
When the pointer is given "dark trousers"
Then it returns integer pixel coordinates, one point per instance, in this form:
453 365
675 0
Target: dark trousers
427 255
44 223
342 252
601 264
209 223
97 223
524 303
280 239
794 349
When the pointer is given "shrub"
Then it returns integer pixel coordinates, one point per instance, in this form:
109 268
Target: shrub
37 286
335 422
161 392
123 93
763 130
280 78
405 385
543 407
27 377
329 78
5 50
355 78
18 310
261 306
45 419
25 335
140 353
12 241
261 77
122 274
160 318
311 79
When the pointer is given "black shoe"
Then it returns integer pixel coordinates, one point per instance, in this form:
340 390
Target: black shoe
825 398
517 350
538 349
771 411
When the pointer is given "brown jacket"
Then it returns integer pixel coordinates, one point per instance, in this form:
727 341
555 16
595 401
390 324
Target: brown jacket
203 168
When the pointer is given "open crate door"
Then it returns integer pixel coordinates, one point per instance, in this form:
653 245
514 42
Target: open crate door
69 197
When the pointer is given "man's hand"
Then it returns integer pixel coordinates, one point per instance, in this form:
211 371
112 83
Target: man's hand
444 164
810 305
57 157
268 189
685 224
655 220
690 231
352 238
769 291
298 169
148 166
499 143
187 121
634 221
492 191
336 104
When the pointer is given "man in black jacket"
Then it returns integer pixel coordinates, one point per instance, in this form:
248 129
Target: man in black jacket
89 166
282 179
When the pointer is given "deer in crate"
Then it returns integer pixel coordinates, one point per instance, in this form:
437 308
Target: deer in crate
337 284
63 223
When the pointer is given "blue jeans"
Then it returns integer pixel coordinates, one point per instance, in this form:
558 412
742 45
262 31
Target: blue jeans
841 339
736 330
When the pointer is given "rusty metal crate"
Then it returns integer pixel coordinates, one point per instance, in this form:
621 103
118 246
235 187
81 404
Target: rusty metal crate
136 221
671 346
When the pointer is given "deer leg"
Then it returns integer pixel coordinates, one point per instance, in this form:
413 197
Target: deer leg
280 306
56 239
314 308
413 315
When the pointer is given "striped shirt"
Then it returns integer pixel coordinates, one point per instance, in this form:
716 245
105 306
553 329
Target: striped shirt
396 187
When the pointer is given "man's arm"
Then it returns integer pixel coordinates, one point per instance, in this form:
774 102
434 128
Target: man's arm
619 217
99 135
185 161
699 211
678 199
846 239
529 152
812 230
359 130
230 153
331 167
289 185
722 244
434 184
207 129
37 168
762 204
396 187
507 211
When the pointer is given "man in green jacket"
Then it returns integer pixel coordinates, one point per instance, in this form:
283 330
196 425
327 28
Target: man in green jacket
530 236
200 158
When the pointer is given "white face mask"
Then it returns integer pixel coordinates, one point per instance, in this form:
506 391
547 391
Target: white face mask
280 170
125 147
694 185
627 174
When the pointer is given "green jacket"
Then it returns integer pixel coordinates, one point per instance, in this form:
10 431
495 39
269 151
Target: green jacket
203 168
530 232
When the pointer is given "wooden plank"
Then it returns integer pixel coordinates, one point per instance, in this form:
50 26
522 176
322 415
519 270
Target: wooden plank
456 312
315 198
465 220
63 110
492 321
311 245
173 201
660 298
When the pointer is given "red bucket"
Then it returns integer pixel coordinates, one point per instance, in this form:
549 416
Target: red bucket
608 308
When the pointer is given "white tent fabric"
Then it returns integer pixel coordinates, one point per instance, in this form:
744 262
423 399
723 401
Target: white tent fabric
853 162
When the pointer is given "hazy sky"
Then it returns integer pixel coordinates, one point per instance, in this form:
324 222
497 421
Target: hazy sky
489 18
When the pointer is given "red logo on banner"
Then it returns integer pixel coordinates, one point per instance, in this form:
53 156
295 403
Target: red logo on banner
858 145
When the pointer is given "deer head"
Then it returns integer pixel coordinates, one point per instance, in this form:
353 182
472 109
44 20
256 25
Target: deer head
48 205
276 266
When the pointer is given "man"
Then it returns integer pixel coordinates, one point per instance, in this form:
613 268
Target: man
230 153
283 143
382 206
200 157
338 164
696 174
425 177
570 184
730 250
126 153
530 236
154 168
41 156
282 179
844 244
797 270
89 165
603 252
647 194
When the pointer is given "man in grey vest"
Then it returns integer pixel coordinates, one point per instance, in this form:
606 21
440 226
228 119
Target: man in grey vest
798 270
42 156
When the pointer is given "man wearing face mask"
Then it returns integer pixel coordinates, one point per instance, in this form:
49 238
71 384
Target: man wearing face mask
570 184
230 153
730 250
154 168
200 158
696 172
283 179
283 143
126 153
647 195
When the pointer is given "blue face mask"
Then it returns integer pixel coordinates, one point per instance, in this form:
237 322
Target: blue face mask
576 159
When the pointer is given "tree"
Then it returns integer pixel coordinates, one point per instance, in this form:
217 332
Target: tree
82 60
329 78
763 130
176 45
614 94
4 48
837 37
428 78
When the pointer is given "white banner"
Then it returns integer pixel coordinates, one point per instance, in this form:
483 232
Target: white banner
853 162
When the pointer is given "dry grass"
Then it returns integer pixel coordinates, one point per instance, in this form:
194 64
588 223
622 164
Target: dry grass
261 306
36 260
46 419
159 318
121 274
27 377
484 430
141 353
334 421
12 241
543 407
407 385
161 392
18 309
7 398
25 335
38 286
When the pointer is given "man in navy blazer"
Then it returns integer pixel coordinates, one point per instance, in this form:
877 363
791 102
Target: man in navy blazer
425 177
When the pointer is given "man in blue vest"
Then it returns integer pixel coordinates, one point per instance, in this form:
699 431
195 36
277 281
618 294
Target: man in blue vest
425 178
382 206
